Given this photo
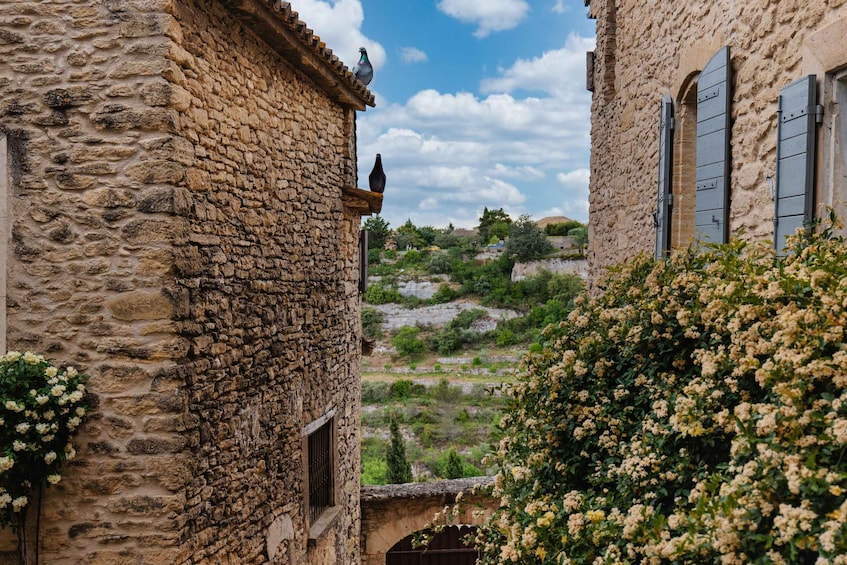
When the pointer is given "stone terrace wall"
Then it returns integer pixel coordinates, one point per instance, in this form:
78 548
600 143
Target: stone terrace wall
645 50
270 275
178 234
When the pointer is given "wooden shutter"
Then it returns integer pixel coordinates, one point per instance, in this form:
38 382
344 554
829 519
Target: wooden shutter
795 157
663 208
713 155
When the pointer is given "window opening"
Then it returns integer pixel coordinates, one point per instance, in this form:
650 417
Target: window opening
320 469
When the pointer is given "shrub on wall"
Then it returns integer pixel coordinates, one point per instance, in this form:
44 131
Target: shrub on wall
696 412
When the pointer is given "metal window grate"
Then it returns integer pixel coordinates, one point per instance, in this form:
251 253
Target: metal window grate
320 471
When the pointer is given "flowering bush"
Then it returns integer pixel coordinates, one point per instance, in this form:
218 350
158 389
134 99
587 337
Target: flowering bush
696 412
40 407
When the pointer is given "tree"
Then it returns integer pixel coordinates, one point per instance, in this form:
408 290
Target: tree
498 219
580 236
526 241
399 468
454 468
407 236
378 231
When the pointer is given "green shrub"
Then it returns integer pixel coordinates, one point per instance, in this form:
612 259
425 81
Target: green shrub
439 263
374 471
407 342
696 412
372 322
380 294
401 389
375 392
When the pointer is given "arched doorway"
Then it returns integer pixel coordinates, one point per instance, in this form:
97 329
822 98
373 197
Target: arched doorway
446 548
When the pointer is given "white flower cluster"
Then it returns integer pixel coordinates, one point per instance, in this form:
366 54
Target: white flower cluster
40 406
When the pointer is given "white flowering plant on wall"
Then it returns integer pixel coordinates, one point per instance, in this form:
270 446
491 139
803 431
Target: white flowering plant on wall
40 408
695 412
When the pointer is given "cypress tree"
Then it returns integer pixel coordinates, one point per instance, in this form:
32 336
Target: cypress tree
399 469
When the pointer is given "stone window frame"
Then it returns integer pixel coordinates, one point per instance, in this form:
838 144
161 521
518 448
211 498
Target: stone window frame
320 434
824 57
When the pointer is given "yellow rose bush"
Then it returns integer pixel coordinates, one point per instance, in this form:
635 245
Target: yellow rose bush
695 412
40 408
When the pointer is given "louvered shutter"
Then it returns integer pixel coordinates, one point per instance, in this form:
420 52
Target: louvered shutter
713 128
662 217
795 158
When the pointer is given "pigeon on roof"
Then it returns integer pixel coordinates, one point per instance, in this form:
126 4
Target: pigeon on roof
363 70
376 180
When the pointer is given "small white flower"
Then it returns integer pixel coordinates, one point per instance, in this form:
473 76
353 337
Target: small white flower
33 392
49 457
53 381
80 411
22 428
73 423
42 399
42 428
13 406
51 372
71 372
75 396
58 390
5 500
18 445
12 356
32 358
19 503
6 463
49 415
54 479
48 439
80 387
70 452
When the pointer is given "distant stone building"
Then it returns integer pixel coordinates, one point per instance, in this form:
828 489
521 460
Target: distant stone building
181 222
712 120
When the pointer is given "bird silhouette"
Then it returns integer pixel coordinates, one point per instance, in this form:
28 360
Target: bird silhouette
363 70
376 180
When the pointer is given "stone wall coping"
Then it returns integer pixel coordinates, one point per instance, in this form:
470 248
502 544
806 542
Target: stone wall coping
377 493
278 25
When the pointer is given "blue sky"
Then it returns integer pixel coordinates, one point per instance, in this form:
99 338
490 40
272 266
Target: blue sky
479 103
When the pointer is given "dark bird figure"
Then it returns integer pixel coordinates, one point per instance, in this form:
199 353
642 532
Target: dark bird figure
376 180
363 70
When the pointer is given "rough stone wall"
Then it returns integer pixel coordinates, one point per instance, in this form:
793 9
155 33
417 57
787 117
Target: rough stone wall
648 49
87 120
178 234
269 270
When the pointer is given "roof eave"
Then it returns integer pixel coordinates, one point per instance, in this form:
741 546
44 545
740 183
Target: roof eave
280 27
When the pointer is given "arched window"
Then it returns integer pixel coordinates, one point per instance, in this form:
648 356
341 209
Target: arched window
446 548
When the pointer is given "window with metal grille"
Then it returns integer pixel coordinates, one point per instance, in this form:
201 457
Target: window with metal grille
320 450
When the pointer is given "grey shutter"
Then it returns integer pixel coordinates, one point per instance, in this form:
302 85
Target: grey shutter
662 217
713 128
795 158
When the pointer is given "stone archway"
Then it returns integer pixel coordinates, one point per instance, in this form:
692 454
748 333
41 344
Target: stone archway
391 513
446 547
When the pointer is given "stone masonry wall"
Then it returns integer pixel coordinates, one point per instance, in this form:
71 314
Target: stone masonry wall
645 50
87 120
178 234
269 270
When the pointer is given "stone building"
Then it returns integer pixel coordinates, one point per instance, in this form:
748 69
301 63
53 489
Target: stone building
730 109
182 223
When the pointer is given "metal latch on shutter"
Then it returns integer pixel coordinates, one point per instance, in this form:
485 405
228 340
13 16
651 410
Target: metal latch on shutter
708 94
707 185
670 199
817 110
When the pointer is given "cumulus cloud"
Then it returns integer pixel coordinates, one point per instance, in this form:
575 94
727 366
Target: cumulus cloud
554 72
339 25
560 7
490 15
449 155
412 55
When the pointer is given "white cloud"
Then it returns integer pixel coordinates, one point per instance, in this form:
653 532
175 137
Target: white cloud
556 72
449 155
489 15
339 25
412 55
560 7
